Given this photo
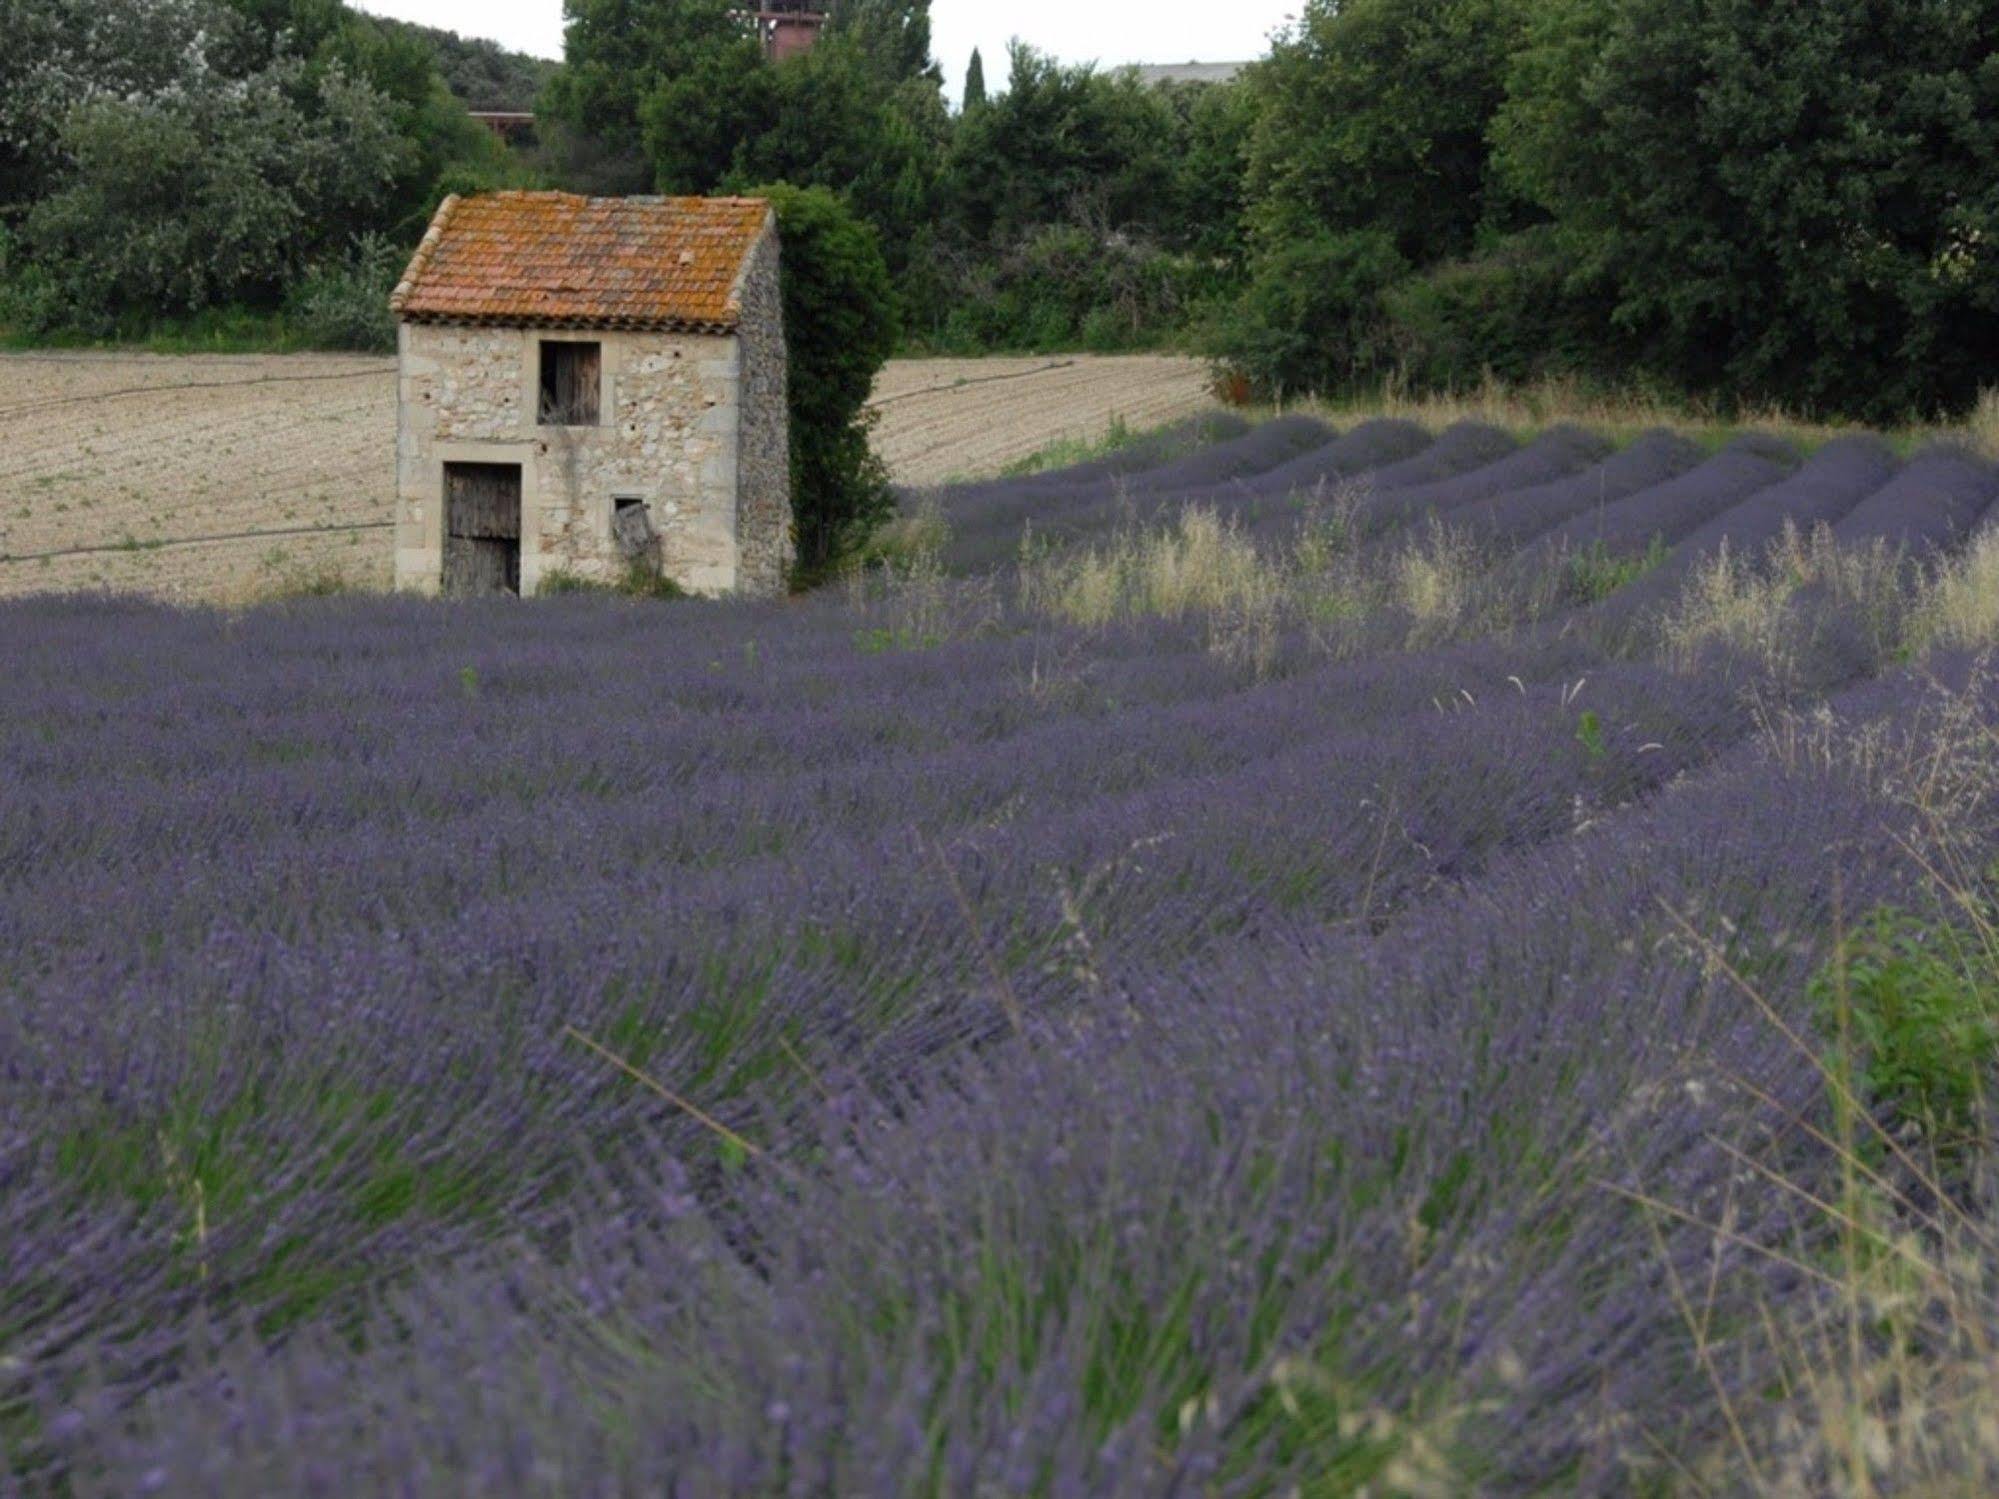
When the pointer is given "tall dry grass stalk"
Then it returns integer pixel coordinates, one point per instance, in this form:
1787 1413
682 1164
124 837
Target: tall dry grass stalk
1535 405
918 533
1982 431
1197 565
1906 607
1887 1374
1961 607
1202 567
900 588
1745 602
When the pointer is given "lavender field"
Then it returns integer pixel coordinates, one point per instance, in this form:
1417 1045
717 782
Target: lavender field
1279 960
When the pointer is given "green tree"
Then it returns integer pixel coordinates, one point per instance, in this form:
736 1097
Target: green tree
1794 201
1062 145
1312 317
1373 114
62 54
893 35
975 82
629 66
840 325
193 199
1210 198
832 119
443 146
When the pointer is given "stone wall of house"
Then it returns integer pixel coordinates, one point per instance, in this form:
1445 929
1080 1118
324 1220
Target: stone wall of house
764 535
669 433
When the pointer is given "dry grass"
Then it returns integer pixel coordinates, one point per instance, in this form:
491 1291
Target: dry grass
1422 591
1199 564
1889 1372
1745 602
1528 409
1982 430
1961 608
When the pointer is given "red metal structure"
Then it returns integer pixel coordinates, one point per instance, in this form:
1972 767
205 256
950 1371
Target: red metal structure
789 28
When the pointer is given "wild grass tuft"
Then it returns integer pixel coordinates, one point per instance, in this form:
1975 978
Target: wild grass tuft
1961 608
1745 602
1982 430
1883 1352
1200 566
1066 452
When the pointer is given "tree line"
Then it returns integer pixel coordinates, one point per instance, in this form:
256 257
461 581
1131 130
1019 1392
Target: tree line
1793 201
164 159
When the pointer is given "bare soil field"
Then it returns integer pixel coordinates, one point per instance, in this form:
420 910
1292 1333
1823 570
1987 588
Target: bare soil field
964 418
228 477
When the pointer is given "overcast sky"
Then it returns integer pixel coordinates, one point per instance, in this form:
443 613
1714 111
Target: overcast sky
1108 31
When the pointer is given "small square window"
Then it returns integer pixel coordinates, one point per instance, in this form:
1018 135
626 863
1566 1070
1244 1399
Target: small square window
632 527
572 379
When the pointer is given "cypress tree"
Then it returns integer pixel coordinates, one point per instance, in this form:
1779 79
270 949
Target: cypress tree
975 81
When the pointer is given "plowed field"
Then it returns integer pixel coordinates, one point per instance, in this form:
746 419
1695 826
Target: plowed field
223 477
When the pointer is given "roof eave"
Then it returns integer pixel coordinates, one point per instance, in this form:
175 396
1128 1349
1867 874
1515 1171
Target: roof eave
593 324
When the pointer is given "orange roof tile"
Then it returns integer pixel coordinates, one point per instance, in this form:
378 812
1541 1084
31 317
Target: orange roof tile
557 260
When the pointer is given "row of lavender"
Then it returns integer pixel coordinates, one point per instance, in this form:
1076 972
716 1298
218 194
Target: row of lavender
1566 487
1116 1071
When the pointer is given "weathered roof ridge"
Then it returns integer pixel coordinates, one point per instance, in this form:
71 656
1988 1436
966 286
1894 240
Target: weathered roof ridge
750 260
426 247
551 259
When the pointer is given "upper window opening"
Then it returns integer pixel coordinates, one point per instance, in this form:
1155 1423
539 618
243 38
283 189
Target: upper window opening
572 377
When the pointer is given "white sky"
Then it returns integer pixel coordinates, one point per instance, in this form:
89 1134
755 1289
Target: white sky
1108 32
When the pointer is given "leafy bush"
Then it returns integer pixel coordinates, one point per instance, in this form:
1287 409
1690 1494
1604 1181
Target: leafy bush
344 303
1067 286
186 201
840 327
28 299
171 159
1509 313
1790 203
1314 315
1920 1007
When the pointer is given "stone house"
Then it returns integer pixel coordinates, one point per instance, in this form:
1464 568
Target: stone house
590 385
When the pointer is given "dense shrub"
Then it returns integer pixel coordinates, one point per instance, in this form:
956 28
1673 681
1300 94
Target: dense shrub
167 158
1068 286
344 303
29 302
1918 1004
1372 115
840 325
1314 316
1791 203
1512 313
183 202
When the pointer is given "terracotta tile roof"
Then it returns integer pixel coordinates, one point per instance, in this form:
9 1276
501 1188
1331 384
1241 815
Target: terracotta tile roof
557 260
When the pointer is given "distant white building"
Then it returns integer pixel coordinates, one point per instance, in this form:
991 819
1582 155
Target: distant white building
1162 74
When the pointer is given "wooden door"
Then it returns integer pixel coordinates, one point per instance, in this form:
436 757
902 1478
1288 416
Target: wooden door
482 528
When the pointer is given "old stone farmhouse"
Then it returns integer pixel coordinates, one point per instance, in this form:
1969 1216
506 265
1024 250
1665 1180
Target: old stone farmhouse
590 385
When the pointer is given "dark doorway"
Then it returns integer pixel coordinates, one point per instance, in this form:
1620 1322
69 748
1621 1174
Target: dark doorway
482 528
